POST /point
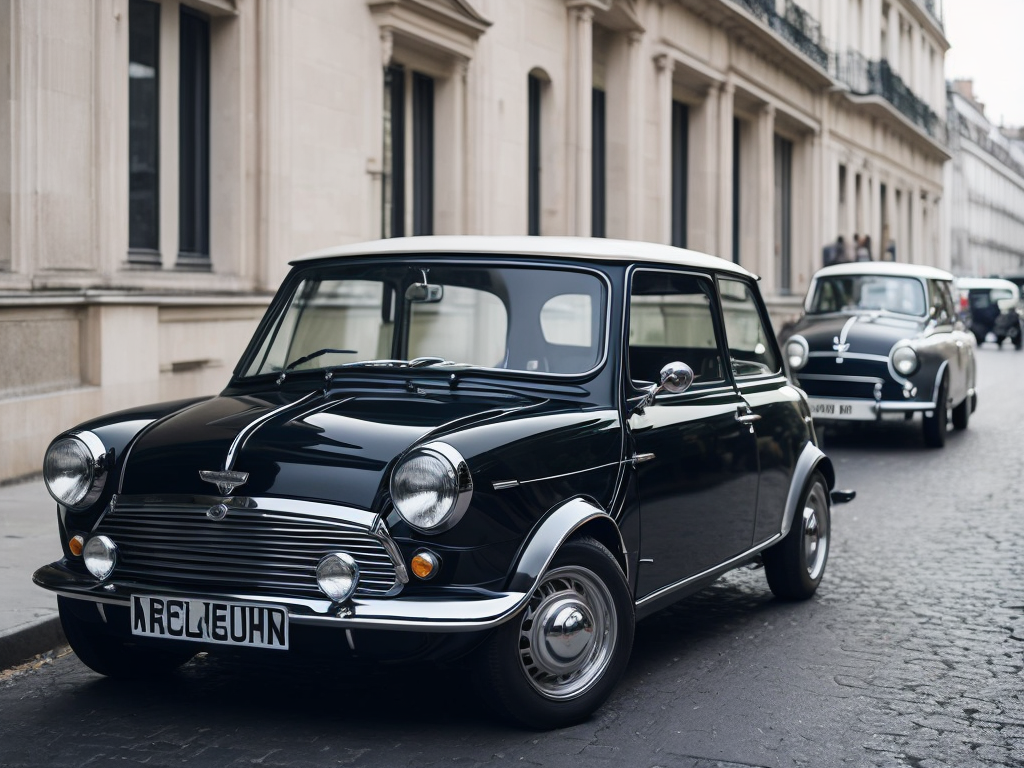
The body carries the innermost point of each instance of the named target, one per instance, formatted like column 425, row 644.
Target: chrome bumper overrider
column 466, row 610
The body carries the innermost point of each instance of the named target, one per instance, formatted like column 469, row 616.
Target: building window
column 598, row 222
column 533, row 156
column 783, row 213
column 422, row 154
column 400, row 85
column 680, row 171
column 144, row 132
column 194, row 141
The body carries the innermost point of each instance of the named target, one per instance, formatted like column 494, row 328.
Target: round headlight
column 904, row 360
column 431, row 488
column 72, row 469
column 338, row 574
column 100, row 556
column 797, row 352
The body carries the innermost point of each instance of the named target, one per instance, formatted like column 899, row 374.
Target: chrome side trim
column 501, row 485
column 722, row 568
column 246, row 432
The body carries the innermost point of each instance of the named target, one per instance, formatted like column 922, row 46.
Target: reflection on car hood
column 867, row 333
column 332, row 448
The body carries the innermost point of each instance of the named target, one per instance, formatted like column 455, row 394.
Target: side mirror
column 675, row 378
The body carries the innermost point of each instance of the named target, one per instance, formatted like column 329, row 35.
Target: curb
column 22, row 644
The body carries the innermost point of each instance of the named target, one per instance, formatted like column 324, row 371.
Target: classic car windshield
column 855, row 293
column 422, row 314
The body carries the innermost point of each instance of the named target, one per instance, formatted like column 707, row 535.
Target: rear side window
column 751, row 351
column 671, row 319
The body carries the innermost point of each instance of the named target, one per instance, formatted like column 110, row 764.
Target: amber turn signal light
column 425, row 564
column 75, row 545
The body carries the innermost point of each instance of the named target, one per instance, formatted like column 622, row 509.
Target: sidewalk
column 28, row 539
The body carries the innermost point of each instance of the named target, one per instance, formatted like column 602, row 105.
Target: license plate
column 854, row 410
column 252, row 625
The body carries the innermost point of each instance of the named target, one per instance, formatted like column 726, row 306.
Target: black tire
column 1018, row 337
column 795, row 565
column 962, row 413
column 530, row 682
column 935, row 425
column 103, row 651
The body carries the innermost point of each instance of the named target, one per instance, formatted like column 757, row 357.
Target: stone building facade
column 985, row 186
column 162, row 160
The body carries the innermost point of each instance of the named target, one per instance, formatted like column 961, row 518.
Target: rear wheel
column 102, row 651
column 560, row 658
column 935, row 425
column 795, row 565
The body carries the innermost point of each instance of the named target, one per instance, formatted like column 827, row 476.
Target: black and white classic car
column 498, row 450
column 884, row 340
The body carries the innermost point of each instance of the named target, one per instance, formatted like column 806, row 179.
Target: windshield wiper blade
column 312, row 355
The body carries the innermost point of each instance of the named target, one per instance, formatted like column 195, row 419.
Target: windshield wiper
column 312, row 355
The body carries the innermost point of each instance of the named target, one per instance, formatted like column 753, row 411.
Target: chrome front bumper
column 466, row 610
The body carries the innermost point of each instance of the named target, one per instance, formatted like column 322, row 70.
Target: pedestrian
column 833, row 253
column 864, row 248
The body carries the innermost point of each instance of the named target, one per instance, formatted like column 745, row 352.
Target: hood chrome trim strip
column 246, row 432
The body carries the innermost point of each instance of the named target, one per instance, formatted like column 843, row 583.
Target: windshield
column 428, row 314
column 855, row 293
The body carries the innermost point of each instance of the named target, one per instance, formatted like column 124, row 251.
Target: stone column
column 703, row 171
column 765, row 258
column 635, row 138
column 893, row 39
column 578, row 120
column 664, row 67
column 849, row 222
column 727, row 92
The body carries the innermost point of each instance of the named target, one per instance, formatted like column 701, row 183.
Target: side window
column 939, row 302
column 751, row 352
column 671, row 319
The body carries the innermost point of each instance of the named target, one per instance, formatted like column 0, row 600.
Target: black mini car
column 883, row 340
column 992, row 306
column 505, row 450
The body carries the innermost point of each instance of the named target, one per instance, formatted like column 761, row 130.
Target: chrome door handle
column 747, row 417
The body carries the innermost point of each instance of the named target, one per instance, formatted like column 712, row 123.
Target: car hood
column 315, row 446
column 868, row 333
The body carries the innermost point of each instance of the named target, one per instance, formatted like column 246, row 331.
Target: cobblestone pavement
column 910, row 654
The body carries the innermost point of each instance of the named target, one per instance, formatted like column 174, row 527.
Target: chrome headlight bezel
column 92, row 470
column 447, row 478
column 100, row 557
column 905, row 360
column 797, row 356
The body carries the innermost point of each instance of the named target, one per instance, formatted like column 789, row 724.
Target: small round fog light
column 100, row 555
column 337, row 574
column 425, row 564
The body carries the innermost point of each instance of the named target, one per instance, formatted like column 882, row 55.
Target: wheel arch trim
column 811, row 459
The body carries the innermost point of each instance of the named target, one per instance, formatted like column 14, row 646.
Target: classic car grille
column 272, row 552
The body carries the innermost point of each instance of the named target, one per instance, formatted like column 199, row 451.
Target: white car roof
column 983, row 283
column 586, row 248
column 892, row 268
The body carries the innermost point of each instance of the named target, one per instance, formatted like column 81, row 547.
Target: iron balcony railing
column 795, row 25
column 877, row 78
column 980, row 137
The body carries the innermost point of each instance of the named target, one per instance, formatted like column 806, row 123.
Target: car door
column 955, row 340
column 774, row 419
column 695, row 457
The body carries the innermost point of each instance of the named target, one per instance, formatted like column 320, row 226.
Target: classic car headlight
column 338, row 575
column 432, row 487
column 74, row 471
column 797, row 352
column 904, row 360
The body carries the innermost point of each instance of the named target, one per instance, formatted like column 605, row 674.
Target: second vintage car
column 502, row 451
column 883, row 340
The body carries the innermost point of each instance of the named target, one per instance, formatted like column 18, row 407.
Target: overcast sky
column 987, row 39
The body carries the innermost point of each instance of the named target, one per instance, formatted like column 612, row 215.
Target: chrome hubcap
column 567, row 633
column 815, row 533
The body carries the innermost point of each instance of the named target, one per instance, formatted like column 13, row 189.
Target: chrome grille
column 274, row 552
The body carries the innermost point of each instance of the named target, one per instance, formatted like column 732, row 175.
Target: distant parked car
column 498, row 450
column 993, row 306
column 883, row 340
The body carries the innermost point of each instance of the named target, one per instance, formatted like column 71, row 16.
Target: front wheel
column 102, row 651
column 560, row 658
column 935, row 425
column 795, row 565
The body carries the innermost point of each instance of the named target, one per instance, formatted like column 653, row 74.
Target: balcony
column 796, row 26
column 877, row 78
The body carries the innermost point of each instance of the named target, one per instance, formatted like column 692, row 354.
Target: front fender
column 558, row 526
